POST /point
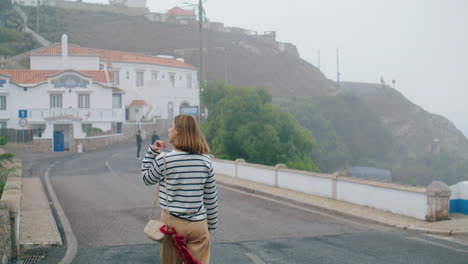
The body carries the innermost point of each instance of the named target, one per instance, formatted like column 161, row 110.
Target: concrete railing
column 10, row 212
column 417, row 202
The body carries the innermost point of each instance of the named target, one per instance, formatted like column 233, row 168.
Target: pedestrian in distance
column 138, row 142
column 154, row 137
column 192, row 200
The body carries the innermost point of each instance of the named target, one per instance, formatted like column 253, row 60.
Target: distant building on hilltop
column 28, row 2
column 129, row 3
column 174, row 15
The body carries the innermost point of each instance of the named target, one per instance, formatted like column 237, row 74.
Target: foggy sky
column 422, row 44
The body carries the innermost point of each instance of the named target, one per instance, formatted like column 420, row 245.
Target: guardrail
column 429, row 203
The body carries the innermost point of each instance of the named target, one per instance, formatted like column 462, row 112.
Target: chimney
column 64, row 51
column 64, row 45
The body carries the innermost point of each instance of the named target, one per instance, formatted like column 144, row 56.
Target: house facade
column 155, row 86
column 71, row 89
column 62, row 104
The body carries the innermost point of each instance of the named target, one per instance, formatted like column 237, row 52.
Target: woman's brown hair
column 189, row 137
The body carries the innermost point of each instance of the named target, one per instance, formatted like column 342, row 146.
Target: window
column 116, row 101
column 3, row 124
column 172, row 79
column 83, row 101
column 139, row 78
column 154, row 75
column 116, row 77
column 55, row 101
column 2, row 102
column 189, row 81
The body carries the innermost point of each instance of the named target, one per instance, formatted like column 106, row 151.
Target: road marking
column 435, row 244
column 342, row 219
column 256, row 259
column 108, row 165
column 451, row 239
column 72, row 243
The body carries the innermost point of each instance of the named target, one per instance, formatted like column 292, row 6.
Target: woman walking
column 191, row 188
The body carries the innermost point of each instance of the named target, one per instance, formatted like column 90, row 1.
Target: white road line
column 342, row 219
column 451, row 239
column 256, row 259
column 72, row 243
column 108, row 165
column 435, row 244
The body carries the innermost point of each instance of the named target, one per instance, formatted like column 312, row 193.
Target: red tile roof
column 119, row 56
column 56, row 50
column 138, row 103
column 109, row 56
column 117, row 90
column 38, row 76
column 177, row 11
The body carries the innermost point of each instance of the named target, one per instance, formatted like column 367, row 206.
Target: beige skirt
column 196, row 235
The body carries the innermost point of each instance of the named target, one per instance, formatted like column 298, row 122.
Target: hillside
column 242, row 60
column 356, row 125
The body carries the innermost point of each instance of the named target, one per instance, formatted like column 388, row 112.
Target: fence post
column 438, row 201
column 238, row 161
column 277, row 168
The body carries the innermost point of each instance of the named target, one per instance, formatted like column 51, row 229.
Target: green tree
column 242, row 123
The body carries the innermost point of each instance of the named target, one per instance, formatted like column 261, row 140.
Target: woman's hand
column 159, row 145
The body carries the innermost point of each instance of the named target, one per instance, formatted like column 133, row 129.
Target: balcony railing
column 86, row 114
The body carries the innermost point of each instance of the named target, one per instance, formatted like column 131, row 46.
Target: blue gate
column 58, row 142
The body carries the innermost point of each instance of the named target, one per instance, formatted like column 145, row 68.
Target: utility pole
column 202, row 70
column 337, row 67
column 318, row 59
column 37, row 16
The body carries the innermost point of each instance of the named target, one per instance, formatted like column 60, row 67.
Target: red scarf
column 180, row 244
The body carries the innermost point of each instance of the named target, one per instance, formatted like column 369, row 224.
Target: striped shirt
column 191, row 185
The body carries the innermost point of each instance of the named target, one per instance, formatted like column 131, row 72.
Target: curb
column 356, row 216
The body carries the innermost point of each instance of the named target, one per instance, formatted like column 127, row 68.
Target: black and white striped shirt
column 191, row 185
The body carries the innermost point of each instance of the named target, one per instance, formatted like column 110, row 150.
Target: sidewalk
column 458, row 225
column 37, row 224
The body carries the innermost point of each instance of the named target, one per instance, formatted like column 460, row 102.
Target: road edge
column 72, row 243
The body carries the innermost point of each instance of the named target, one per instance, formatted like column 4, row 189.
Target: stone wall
column 42, row 145
column 129, row 130
column 98, row 142
column 5, row 233
column 10, row 203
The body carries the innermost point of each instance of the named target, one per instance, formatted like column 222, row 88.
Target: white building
column 28, row 2
column 154, row 86
column 63, row 104
column 130, row 3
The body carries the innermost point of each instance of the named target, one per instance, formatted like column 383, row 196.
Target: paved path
column 107, row 205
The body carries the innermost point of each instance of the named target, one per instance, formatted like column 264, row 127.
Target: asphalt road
column 107, row 205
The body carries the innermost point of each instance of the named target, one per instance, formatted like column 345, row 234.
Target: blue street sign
column 23, row 113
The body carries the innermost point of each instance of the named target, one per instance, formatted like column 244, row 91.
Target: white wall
column 37, row 101
column 79, row 63
column 307, row 183
column 399, row 199
column 408, row 203
column 158, row 93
